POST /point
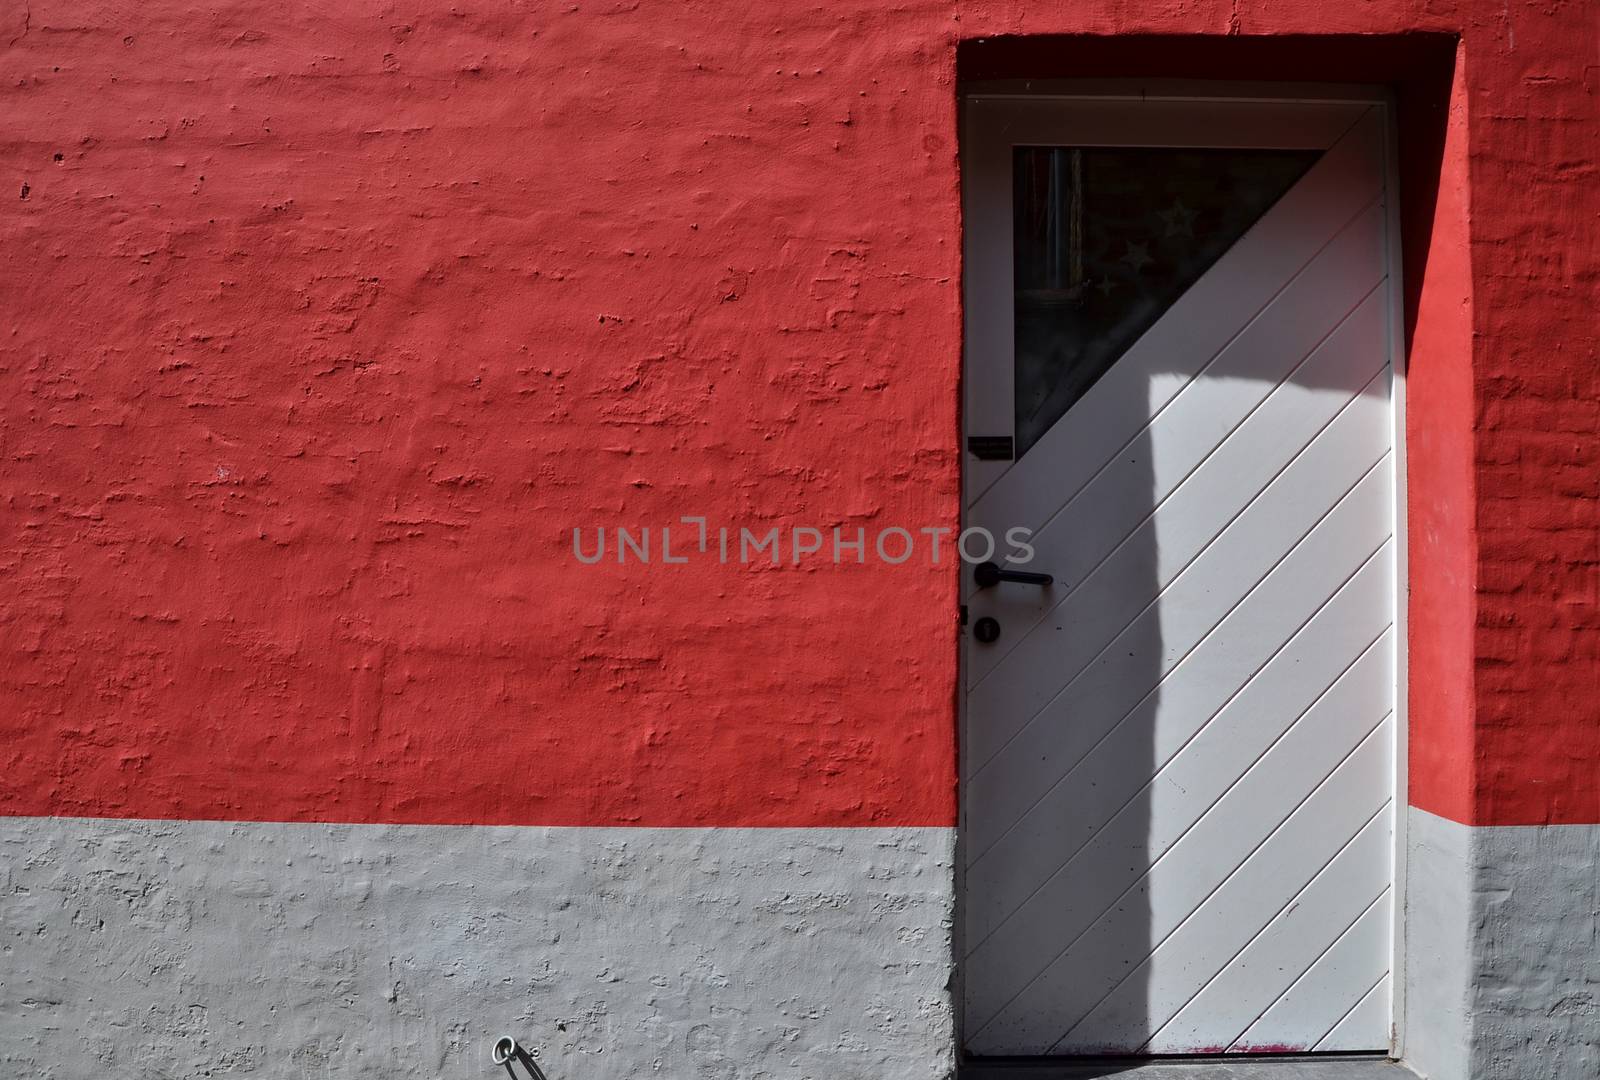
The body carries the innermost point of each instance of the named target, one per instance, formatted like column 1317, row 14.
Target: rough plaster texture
column 1536, row 937
column 1503, row 933
column 325, row 324
column 144, row 949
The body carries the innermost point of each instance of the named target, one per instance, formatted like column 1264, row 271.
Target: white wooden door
column 1178, row 758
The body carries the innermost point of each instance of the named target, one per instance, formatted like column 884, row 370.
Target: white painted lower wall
column 143, row 949
column 1502, row 951
column 140, row 948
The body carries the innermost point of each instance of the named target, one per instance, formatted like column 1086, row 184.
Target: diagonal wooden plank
column 1024, row 772
column 1212, row 975
column 1304, row 446
column 1314, row 673
column 1241, row 645
column 1304, row 1013
column 1290, row 853
column 1368, row 1015
column 1219, row 589
column 1153, row 826
column 1287, row 857
column 1074, row 532
column 1075, row 979
column 1074, row 896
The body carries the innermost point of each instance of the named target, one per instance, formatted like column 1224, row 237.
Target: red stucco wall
column 325, row 324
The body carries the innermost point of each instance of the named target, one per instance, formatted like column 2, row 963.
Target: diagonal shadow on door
column 1176, row 761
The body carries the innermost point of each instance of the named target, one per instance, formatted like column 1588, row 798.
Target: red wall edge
column 1441, row 523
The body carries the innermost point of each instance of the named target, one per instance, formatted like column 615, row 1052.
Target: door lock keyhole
column 986, row 630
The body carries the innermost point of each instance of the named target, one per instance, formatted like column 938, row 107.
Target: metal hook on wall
column 506, row 1050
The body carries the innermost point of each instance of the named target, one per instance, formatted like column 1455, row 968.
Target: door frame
column 1112, row 98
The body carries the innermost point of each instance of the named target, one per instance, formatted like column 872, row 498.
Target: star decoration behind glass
column 1179, row 219
column 1137, row 257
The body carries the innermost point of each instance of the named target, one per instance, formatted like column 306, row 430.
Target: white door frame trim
column 1110, row 107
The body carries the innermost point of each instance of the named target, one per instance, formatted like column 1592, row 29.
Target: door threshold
column 1219, row 1067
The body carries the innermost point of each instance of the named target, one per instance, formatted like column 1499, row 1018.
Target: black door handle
column 988, row 574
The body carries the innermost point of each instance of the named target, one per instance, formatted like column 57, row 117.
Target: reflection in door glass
column 1106, row 240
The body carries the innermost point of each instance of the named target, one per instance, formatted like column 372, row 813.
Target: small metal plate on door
column 990, row 447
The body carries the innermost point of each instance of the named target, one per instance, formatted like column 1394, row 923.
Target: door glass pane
column 1106, row 239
